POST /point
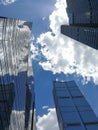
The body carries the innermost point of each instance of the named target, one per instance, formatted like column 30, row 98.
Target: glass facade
column 86, row 35
column 73, row 111
column 83, row 13
column 16, row 76
column 83, row 22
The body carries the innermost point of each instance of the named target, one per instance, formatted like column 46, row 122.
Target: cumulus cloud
column 51, row 118
column 7, row 2
column 63, row 54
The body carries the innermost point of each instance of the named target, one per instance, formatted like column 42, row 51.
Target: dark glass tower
column 73, row 111
column 16, row 76
column 7, row 95
column 83, row 21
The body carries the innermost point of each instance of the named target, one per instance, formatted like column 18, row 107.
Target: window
column 75, row 128
column 65, row 102
column 76, row 93
column 62, row 93
column 88, row 117
column 80, row 102
column 92, row 127
column 62, row 97
column 84, row 108
column 58, row 84
column 73, row 124
column 71, row 84
column 68, row 109
column 70, row 117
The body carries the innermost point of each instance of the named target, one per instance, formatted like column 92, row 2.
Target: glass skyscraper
column 16, row 76
column 83, row 21
column 73, row 110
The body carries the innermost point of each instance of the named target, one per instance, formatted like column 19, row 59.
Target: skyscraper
column 83, row 22
column 16, row 76
column 73, row 110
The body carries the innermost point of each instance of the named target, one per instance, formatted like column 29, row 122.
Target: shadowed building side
column 83, row 12
column 30, row 98
column 27, row 106
column 83, row 22
column 16, row 68
column 7, row 95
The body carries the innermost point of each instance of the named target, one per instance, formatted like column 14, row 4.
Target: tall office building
column 16, row 76
column 73, row 110
column 83, row 22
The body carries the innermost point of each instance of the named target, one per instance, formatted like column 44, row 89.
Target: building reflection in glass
column 16, row 77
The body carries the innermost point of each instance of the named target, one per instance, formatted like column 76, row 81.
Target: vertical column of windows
column 67, row 109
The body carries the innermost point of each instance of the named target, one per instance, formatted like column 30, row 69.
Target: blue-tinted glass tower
column 73, row 110
column 83, row 21
column 16, row 76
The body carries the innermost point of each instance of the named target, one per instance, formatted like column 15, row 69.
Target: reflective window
column 75, row 93
column 88, row 117
column 80, row 101
column 67, row 108
column 92, row 127
column 60, row 84
column 72, row 85
column 84, row 108
column 65, row 102
column 70, row 117
column 75, row 128
column 62, row 93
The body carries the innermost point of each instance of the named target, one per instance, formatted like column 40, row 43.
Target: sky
column 55, row 56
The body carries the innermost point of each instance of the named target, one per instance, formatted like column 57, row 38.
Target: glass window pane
column 65, row 102
column 70, row 117
column 80, row 102
column 67, row 108
column 88, row 116
column 75, row 128
column 62, row 93
column 76, row 93
column 92, row 127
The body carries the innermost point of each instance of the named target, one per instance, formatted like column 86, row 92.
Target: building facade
column 86, row 35
column 16, row 75
column 83, row 22
column 86, row 13
column 73, row 110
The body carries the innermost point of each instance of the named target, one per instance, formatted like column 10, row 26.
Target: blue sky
column 55, row 57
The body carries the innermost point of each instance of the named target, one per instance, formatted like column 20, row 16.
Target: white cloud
column 45, row 107
column 48, row 121
column 64, row 54
column 7, row 2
